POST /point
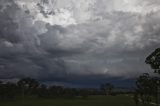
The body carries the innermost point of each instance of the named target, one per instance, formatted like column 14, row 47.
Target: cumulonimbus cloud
column 94, row 40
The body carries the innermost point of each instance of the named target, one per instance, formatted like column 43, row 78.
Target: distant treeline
column 31, row 87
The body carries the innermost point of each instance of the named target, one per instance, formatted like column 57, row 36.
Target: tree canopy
column 154, row 60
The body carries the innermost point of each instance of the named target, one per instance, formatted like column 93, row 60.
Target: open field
column 121, row 100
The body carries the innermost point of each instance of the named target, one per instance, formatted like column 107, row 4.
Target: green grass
column 121, row 100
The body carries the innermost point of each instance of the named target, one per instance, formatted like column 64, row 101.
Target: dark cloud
column 109, row 45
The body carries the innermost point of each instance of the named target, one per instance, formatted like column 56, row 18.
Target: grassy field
column 121, row 100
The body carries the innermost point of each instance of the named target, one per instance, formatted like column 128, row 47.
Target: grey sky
column 58, row 39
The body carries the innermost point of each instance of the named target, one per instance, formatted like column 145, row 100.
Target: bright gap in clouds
column 62, row 12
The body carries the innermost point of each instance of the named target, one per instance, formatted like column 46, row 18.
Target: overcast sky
column 77, row 40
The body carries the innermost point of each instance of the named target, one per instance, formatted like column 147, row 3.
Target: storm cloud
column 64, row 40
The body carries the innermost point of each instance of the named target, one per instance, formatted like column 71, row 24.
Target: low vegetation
column 120, row 100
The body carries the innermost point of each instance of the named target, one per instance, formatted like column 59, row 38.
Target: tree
column 42, row 91
column 155, row 88
column 28, row 85
column 8, row 91
column 107, row 88
column 154, row 60
column 84, row 93
column 146, row 88
column 143, row 88
column 136, row 98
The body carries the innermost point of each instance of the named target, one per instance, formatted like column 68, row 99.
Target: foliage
column 107, row 88
column 154, row 60
column 28, row 87
column 146, row 88
column 8, row 91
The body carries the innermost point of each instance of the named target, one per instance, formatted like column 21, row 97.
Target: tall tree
column 154, row 60
column 28, row 85
column 144, row 88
